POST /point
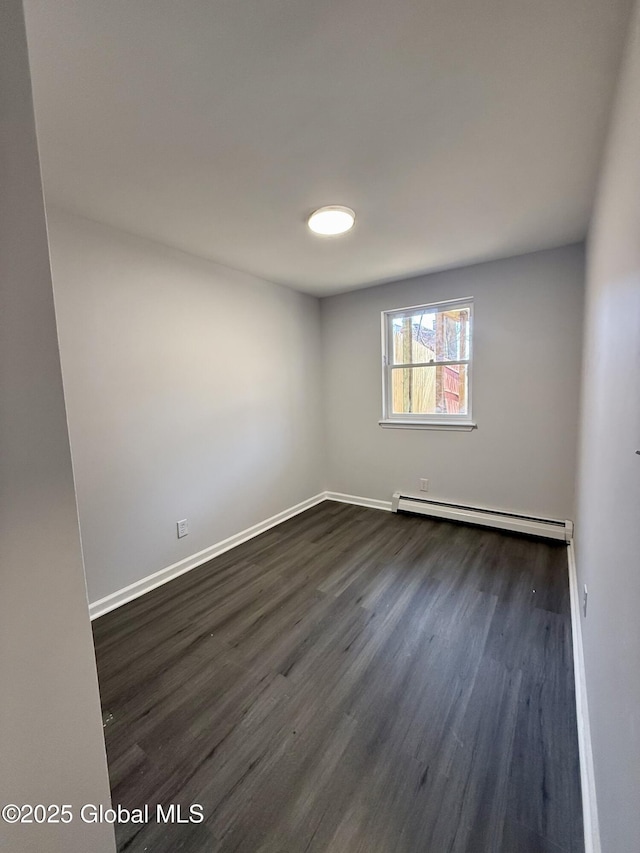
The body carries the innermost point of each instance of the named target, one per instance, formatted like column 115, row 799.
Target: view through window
column 427, row 362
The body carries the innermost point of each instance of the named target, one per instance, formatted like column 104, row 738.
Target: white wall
column 527, row 342
column 51, row 743
column 608, row 530
column 193, row 391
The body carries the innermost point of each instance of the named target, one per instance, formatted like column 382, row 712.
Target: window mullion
column 429, row 363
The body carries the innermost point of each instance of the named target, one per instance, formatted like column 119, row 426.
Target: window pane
column 441, row 389
column 431, row 336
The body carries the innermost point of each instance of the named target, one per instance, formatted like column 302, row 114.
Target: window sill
column 464, row 426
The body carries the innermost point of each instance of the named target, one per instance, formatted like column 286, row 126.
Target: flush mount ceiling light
column 332, row 220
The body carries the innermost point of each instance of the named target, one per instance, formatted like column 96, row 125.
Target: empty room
column 320, row 426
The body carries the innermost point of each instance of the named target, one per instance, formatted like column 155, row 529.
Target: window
column 427, row 366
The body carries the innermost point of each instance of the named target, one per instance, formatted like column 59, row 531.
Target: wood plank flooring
column 351, row 681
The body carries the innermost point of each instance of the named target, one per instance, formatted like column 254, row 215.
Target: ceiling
column 459, row 130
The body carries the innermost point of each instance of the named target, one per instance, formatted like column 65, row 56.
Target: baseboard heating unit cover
column 548, row 528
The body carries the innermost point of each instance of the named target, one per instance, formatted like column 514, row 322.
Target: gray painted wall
column 527, row 342
column 51, row 743
column 608, row 530
column 193, row 391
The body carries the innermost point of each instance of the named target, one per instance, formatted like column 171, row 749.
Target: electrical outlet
column 424, row 485
column 183, row 528
column 585, row 596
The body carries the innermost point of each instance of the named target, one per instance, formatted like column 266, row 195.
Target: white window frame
column 442, row 420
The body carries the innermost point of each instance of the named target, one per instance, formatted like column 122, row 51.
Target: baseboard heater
column 548, row 528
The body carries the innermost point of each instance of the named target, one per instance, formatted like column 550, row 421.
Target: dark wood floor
column 351, row 681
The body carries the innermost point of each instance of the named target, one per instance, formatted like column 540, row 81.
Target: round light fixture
column 331, row 220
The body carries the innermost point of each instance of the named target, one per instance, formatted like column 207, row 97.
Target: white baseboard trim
column 587, row 778
column 135, row 590
column 372, row 503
